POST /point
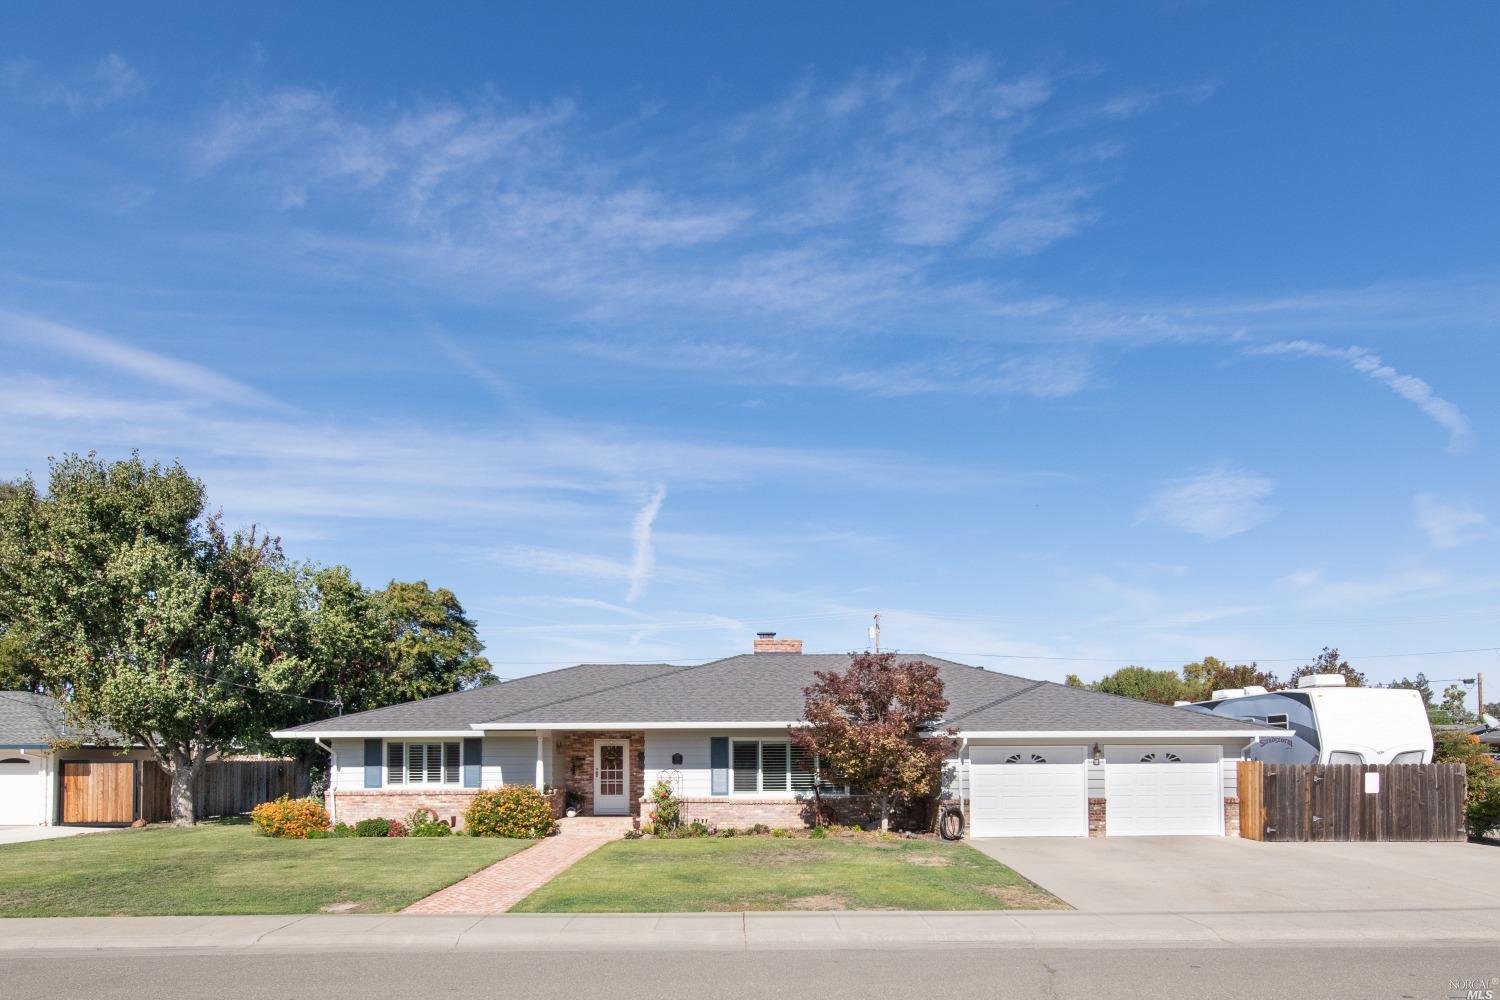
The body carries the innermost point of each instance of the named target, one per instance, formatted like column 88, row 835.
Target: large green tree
column 153, row 620
column 1144, row 684
column 1328, row 662
column 1211, row 674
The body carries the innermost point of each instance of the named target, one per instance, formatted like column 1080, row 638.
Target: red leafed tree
column 872, row 728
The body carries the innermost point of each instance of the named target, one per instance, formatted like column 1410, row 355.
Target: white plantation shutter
column 746, row 766
column 395, row 763
column 450, row 763
column 803, row 771
column 773, row 767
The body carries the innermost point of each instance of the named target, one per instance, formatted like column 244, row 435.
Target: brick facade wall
column 573, row 765
column 354, row 804
column 1097, row 810
column 1231, row 817
column 744, row 811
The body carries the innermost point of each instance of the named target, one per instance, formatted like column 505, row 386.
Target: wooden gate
column 98, row 792
column 1287, row 802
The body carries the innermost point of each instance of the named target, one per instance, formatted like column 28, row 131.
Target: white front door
column 611, row 777
column 22, row 791
column 1028, row 791
column 1162, row 792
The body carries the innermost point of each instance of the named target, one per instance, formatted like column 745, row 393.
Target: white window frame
column 822, row 787
column 405, row 780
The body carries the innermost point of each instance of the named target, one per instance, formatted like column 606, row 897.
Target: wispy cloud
column 1410, row 388
column 1218, row 503
column 1313, row 588
column 106, row 82
column 643, row 555
column 47, row 337
column 1450, row 525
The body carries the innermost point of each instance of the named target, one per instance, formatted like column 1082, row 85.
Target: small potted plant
column 572, row 803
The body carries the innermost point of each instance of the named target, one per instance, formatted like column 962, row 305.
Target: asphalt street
column 1401, row 971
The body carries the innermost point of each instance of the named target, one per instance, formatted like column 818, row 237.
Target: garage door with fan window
column 1163, row 791
column 1028, row 791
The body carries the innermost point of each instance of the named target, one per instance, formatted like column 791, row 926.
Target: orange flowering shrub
column 510, row 811
column 288, row 817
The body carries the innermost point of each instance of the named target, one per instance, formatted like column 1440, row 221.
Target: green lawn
column 226, row 868
column 762, row 873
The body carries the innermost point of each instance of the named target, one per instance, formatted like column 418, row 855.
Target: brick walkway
column 505, row 883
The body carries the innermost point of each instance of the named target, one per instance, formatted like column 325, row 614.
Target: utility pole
column 1479, row 684
column 875, row 632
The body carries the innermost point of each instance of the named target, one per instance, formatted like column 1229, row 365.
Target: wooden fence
column 226, row 787
column 1285, row 802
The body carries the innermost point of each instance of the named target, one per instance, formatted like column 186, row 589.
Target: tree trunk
column 184, row 781
column 885, row 812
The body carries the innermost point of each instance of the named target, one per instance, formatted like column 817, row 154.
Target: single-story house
column 53, row 773
column 1035, row 758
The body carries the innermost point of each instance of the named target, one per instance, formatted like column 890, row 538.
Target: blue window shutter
column 372, row 764
column 473, row 762
column 718, row 762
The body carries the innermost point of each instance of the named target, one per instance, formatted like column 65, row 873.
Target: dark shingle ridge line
column 612, row 687
column 1014, row 694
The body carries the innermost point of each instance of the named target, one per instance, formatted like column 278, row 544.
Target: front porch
column 603, row 770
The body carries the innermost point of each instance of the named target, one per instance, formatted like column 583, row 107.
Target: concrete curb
column 743, row 931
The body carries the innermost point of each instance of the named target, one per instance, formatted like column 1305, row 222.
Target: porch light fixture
column 1098, row 753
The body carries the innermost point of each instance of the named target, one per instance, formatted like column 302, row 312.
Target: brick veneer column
column 1231, row 817
column 579, row 744
column 1097, row 820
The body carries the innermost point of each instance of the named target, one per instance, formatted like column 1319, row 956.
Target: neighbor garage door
column 22, row 801
column 1028, row 792
column 1163, row 792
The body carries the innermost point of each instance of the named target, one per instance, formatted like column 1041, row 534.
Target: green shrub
column 342, row 830
column 818, row 833
column 1483, row 777
column 376, row 827
column 778, row 832
column 510, row 811
column 728, row 831
column 289, row 818
column 317, row 834
column 760, row 828
column 633, row 834
column 697, row 828
column 434, row 829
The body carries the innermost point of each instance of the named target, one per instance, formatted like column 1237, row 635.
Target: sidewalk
column 742, row 931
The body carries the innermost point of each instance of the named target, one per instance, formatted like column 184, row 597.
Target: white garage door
column 1159, row 793
column 1028, row 792
column 21, row 802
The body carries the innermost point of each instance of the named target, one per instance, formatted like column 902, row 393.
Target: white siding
column 695, row 776
column 349, row 763
column 511, row 760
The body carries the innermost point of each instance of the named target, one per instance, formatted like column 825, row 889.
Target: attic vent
column 766, row 642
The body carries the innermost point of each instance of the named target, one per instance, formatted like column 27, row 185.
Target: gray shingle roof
column 762, row 687
column 462, row 709
column 28, row 719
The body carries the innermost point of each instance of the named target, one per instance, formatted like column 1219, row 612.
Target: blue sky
column 1070, row 332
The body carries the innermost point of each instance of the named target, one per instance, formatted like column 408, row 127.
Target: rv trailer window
column 1279, row 721
column 1345, row 757
column 1408, row 757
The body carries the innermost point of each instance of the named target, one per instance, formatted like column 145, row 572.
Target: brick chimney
column 766, row 642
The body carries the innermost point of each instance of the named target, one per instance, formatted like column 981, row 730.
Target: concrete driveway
column 26, row 834
column 1227, row 874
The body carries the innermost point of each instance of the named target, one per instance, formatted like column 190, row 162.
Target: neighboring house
column 1035, row 759
column 52, row 773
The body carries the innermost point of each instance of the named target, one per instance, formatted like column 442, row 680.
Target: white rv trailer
column 1329, row 723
